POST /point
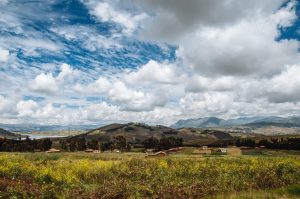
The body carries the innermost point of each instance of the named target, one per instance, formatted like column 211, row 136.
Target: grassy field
column 272, row 174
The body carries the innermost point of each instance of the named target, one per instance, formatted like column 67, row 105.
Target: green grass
column 131, row 175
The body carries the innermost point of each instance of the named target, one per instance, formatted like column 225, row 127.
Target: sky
column 101, row 61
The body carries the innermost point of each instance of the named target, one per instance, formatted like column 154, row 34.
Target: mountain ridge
column 256, row 121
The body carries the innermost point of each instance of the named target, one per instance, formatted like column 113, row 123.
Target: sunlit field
column 131, row 175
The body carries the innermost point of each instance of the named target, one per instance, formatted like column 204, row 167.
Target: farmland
column 186, row 174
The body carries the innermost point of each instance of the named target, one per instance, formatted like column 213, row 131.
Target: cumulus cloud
column 44, row 83
column 155, row 72
column 150, row 86
column 48, row 84
column 248, row 47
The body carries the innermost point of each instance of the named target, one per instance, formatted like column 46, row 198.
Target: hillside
column 138, row 132
column 6, row 134
column 133, row 132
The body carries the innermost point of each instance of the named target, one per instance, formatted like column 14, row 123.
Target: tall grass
column 153, row 178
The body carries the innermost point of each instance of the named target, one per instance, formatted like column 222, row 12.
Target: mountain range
column 206, row 122
column 257, row 122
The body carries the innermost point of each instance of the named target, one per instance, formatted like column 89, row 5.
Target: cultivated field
column 188, row 174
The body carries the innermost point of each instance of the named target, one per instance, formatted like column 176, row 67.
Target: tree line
column 10, row 145
column 163, row 143
column 81, row 143
column 273, row 143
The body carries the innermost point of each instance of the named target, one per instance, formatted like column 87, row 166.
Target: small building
column 219, row 151
column 89, row 150
column 222, row 150
column 117, row 151
column 53, row 151
column 204, row 147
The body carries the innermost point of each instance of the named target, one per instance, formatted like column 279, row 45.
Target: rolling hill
column 138, row 132
column 133, row 132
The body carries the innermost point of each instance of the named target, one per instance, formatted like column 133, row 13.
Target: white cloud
column 4, row 55
column 26, row 108
column 286, row 16
column 285, row 87
column 201, row 84
column 107, row 13
column 44, row 83
column 48, row 84
column 246, row 48
column 154, row 72
column 4, row 104
column 67, row 73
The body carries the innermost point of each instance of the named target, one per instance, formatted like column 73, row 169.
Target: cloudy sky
column 153, row 61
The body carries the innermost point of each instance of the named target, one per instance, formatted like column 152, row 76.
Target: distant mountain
column 200, row 122
column 242, row 121
column 6, row 134
column 45, row 128
column 288, row 122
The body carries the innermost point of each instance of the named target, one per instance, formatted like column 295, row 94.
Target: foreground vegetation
column 130, row 175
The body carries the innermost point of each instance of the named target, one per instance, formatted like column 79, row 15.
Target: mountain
column 288, row 122
column 6, row 134
column 200, row 122
column 138, row 132
column 242, row 121
column 133, row 132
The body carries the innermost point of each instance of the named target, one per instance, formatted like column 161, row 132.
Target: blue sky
column 89, row 62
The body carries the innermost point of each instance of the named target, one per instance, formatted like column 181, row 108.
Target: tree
column 151, row 143
column 120, row 142
column 63, row 145
column 72, row 145
column 81, row 144
column 46, row 144
column 93, row 144
column 107, row 146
